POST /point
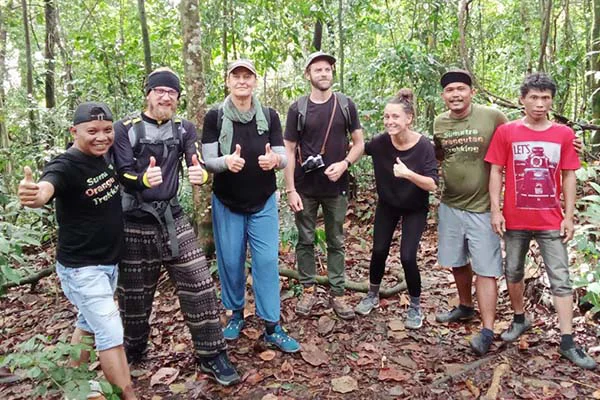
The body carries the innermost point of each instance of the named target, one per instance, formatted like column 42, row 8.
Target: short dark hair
column 538, row 81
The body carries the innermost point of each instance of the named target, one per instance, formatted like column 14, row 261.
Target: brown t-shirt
column 316, row 183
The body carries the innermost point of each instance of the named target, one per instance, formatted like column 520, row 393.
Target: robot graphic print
column 535, row 167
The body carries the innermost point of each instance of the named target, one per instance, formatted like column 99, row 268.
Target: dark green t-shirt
column 464, row 143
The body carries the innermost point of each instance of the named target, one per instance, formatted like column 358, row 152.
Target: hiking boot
column 282, row 340
column 414, row 318
column 515, row 330
column 220, row 368
column 341, row 308
column 578, row 357
column 367, row 304
column 456, row 314
column 481, row 343
column 233, row 328
column 306, row 302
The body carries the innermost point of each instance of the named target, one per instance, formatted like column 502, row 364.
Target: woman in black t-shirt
column 243, row 149
column 405, row 172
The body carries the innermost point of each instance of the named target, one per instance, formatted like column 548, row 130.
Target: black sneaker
column 481, row 343
column 220, row 368
column 456, row 314
column 515, row 330
column 578, row 357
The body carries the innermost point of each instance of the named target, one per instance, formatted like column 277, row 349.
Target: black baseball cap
column 92, row 111
column 319, row 55
column 456, row 75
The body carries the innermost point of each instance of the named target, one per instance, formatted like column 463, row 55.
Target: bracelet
column 348, row 162
column 288, row 191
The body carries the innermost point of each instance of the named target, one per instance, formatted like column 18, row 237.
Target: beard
column 162, row 113
column 322, row 85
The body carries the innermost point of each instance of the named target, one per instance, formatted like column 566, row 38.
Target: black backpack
column 342, row 101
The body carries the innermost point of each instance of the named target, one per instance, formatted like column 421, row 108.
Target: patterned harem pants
column 146, row 250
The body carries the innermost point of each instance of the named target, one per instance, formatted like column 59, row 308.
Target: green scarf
column 231, row 114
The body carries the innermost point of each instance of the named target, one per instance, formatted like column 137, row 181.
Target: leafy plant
column 587, row 240
column 47, row 365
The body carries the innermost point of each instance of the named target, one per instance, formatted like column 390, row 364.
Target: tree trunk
column 50, row 41
column 4, row 139
column 194, row 81
column 340, row 60
column 225, row 45
column 65, row 55
column 546, row 21
column 318, row 35
column 595, row 68
column 29, row 72
column 145, row 37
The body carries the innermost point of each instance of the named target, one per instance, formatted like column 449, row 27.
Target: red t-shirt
column 533, row 162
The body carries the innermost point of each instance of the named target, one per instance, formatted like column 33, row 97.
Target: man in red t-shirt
column 536, row 154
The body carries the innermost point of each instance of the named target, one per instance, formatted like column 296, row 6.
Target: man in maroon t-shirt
column 536, row 155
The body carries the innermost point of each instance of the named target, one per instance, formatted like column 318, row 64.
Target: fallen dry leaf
column 344, row 384
column 313, row 355
column 392, row 374
column 180, row 347
column 267, row 355
column 269, row 396
column 286, row 372
column 251, row 333
column 596, row 394
column 325, row 325
column 253, row 378
column 178, row 388
column 523, row 344
column 164, row 376
column 405, row 362
column 396, row 325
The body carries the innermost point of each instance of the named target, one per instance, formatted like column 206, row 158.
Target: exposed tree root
column 352, row 285
column 32, row 279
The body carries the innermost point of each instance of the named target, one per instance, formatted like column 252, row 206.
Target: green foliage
column 47, row 366
column 16, row 234
column 587, row 239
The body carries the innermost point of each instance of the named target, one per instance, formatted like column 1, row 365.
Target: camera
column 312, row 163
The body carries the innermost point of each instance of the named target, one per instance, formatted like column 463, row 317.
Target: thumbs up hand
column 269, row 160
column 400, row 169
column 28, row 190
column 197, row 174
column 234, row 161
column 153, row 175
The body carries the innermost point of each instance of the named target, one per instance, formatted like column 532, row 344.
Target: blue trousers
column 233, row 232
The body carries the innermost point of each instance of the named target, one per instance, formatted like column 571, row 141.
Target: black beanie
column 162, row 78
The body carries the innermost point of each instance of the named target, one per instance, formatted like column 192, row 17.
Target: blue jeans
column 233, row 232
column 91, row 289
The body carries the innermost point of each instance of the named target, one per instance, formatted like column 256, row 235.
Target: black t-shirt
column 399, row 192
column 316, row 183
column 248, row 190
column 88, row 209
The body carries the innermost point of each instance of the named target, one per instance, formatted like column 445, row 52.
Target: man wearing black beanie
column 148, row 153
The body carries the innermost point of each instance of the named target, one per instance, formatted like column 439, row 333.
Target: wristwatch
column 348, row 162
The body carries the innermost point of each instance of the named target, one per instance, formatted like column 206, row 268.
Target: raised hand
column 197, row 174
column 400, row 169
column 234, row 161
column 269, row 160
column 153, row 173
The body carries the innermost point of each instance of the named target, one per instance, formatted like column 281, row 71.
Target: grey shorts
column 465, row 236
column 554, row 254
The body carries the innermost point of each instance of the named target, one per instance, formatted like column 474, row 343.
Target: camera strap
column 326, row 134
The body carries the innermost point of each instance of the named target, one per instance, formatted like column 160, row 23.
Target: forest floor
column 372, row 357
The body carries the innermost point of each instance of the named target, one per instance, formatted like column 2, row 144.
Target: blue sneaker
column 282, row 340
column 233, row 328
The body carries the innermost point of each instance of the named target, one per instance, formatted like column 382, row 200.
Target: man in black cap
column 316, row 141
column 467, row 243
column 90, row 235
column 148, row 152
